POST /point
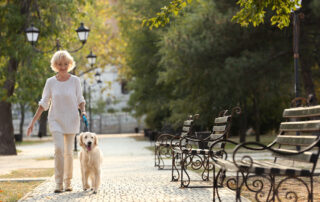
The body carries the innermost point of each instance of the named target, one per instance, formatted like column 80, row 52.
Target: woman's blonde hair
column 57, row 56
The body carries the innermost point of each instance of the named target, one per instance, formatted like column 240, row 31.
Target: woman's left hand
column 85, row 114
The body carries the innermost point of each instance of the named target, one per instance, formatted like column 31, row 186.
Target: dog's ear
column 95, row 139
column 80, row 140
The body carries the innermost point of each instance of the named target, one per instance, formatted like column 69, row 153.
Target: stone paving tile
column 127, row 175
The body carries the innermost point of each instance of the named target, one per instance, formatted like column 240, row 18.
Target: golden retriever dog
column 90, row 161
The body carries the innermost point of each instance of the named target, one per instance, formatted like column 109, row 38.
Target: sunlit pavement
column 127, row 175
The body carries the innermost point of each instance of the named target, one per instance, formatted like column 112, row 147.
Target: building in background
column 114, row 117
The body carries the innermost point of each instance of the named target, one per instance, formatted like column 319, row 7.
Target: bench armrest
column 261, row 147
column 166, row 138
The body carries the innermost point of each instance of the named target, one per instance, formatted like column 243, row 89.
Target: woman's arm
column 82, row 107
column 35, row 118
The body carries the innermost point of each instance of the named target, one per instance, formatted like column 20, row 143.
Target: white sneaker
column 68, row 187
column 58, row 189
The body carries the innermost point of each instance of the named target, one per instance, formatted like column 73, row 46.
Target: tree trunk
column 7, row 144
column 305, row 53
column 43, row 124
column 22, row 111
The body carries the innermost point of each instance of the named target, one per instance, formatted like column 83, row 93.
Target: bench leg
column 214, row 183
column 239, row 186
column 206, row 168
column 216, row 187
column 155, row 156
column 174, row 168
column 184, row 167
column 311, row 189
column 181, row 171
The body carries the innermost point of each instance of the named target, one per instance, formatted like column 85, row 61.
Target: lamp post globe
column 83, row 33
column 97, row 76
column 91, row 58
column 32, row 34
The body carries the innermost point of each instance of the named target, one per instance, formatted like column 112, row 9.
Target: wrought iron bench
column 163, row 144
column 195, row 151
column 295, row 151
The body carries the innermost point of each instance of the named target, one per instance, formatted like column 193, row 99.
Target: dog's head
column 88, row 140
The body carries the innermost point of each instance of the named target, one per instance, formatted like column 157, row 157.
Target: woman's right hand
column 30, row 129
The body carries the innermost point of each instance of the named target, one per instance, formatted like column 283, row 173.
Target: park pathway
column 127, row 175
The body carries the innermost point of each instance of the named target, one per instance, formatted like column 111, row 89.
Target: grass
column 29, row 172
column 13, row 191
column 139, row 138
column 44, row 158
column 30, row 142
column 150, row 148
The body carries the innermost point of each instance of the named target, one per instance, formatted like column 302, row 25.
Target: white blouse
column 63, row 98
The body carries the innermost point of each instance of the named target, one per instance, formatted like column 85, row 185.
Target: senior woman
column 62, row 95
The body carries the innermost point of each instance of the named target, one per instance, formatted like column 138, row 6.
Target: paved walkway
column 128, row 175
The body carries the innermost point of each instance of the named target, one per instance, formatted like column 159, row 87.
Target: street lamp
column 98, row 77
column 32, row 34
column 296, row 32
column 91, row 59
column 83, row 33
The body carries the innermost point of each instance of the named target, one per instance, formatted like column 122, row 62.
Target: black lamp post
column 91, row 60
column 296, row 33
column 32, row 34
column 98, row 80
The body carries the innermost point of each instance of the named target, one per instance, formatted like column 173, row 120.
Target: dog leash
column 86, row 123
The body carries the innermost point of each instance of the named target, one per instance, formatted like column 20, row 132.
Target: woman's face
column 62, row 65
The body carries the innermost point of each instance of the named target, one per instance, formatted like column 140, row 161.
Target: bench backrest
column 187, row 128
column 222, row 126
column 302, row 130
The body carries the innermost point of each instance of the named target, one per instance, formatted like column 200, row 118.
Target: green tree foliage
column 213, row 64
column 251, row 12
column 16, row 53
column 149, row 97
column 203, row 63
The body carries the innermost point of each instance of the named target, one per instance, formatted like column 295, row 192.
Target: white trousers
column 63, row 157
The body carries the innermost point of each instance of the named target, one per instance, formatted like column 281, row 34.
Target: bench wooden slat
column 219, row 128
column 223, row 119
column 300, row 126
column 304, row 157
column 215, row 136
column 187, row 123
column 301, row 133
column 186, row 129
column 302, row 112
column 296, row 140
